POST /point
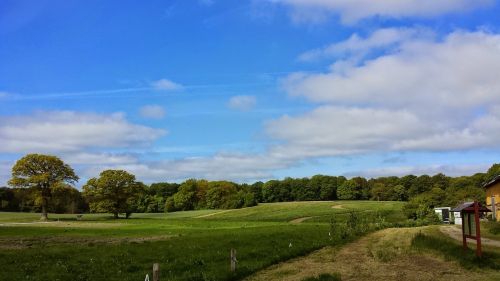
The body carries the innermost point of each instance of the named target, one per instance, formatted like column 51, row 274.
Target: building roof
column 496, row 179
column 469, row 207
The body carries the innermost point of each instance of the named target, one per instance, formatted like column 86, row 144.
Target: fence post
column 233, row 260
column 156, row 272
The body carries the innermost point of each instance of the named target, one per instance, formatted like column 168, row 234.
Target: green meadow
column 190, row 245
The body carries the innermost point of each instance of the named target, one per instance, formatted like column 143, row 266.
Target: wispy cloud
column 152, row 111
column 352, row 11
column 243, row 103
column 4, row 94
column 165, row 85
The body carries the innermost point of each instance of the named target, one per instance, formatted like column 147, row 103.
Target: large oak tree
column 41, row 173
column 114, row 191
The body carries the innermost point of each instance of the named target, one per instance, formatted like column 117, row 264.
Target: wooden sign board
column 469, row 224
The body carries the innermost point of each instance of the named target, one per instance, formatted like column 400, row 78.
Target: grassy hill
column 191, row 245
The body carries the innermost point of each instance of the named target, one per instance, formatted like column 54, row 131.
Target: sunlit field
column 191, row 245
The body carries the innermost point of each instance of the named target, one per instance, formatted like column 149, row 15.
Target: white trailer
column 443, row 214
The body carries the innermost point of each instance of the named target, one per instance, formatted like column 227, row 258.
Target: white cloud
column 166, row 85
column 334, row 131
column 98, row 158
column 66, row 131
column 423, row 95
column 5, row 172
column 243, row 103
column 222, row 166
column 449, row 170
column 351, row 11
column 357, row 46
column 152, row 111
column 458, row 72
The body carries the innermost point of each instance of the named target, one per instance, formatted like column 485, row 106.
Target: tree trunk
column 116, row 215
column 44, row 210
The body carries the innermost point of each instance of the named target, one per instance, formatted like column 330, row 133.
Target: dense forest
column 423, row 193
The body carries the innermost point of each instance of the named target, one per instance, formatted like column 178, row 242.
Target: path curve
column 213, row 214
column 299, row 220
column 381, row 256
column 456, row 233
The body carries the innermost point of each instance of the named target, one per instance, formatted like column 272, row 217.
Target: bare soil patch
column 23, row 243
column 299, row 220
column 456, row 233
column 382, row 256
column 338, row 207
column 67, row 224
column 212, row 214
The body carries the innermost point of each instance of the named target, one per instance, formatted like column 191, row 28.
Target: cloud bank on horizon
column 393, row 81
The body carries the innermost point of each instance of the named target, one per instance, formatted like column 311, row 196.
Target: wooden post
column 233, row 260
column 479, row 253
column 156, row 272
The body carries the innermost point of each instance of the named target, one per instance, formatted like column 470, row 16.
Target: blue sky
column 251, row 90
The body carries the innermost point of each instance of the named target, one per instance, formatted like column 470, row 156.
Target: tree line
column 43, row 183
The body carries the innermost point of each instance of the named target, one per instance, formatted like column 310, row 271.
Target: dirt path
column 456, row 233
column 212, row 214
column 23, row 243
column 299, row 220
column 65, row 224
column 382, row 256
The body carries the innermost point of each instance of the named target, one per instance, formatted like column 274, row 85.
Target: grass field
column 190, row 245
column 393, row 254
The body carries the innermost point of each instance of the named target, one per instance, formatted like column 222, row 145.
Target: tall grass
column 454, row 252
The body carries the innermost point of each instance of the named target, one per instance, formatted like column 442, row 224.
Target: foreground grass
column 387, row 255
column 191, row 245
column 453, row 251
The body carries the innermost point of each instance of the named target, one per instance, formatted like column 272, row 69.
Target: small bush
column 324, row 277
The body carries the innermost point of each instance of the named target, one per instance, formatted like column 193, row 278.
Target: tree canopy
column 41, row 173
column 114, row 191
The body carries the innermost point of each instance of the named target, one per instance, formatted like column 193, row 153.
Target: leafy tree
column 349, row 190
column 185, row 198
column 420, row 185
column 6, row 198
column 379, row 192
column 114, row 191
column 492, row 172
column 328, row 188
column 170, row 205
column 41, row 173
column 400, row 193
column 256, row 189
column 164, row 189
column 219, row 194
column 66, row 199
column 271, row 191
column 440, row 181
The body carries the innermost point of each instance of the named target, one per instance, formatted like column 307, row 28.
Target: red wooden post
column 479, row 253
